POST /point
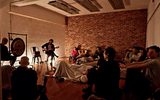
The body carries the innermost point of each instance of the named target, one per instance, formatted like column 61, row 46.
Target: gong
column 17, row 47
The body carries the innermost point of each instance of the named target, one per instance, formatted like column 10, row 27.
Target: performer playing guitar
column 49, row 49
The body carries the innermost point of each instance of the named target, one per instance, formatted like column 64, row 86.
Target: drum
column 17, row 47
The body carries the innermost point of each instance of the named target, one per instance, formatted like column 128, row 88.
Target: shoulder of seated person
column 31, row 69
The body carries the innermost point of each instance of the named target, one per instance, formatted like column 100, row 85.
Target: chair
column 36, row 54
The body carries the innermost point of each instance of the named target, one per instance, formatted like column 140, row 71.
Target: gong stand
column 18, row 42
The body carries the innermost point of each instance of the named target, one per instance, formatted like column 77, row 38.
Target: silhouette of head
column 50, row 40
column 4, row 41
column 24, row 62
column 109, row 53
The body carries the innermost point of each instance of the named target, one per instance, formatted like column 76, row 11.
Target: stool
column 36, row 54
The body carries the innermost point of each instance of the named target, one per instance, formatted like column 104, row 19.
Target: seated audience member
column 79, row 48
column 128, row 54
column 151, row 81
column 135, row 79
column 77, row 53
column 86, row 57
column 105, row 77
column 24, row 82
column 143, row 54
column 81, row 51
column 74, row 54
column 98, row 53
column 89, row 56
column 5, row 55
column 132, row 55
column 6, row 81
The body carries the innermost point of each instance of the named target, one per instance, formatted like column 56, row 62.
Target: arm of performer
column 44, row 47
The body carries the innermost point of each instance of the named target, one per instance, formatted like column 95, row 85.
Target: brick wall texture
column 120, row 30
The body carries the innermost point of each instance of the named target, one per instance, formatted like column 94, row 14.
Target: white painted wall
column 38, row 23
column 153, row 30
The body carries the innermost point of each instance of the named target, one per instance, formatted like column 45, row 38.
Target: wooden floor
column 56, row 90
column 66, row 90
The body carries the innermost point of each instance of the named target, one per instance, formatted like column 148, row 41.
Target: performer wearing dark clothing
column 49, row 49
column 105, row 77
column 5, row 55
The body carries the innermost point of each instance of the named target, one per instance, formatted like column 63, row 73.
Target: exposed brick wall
column 119, row 29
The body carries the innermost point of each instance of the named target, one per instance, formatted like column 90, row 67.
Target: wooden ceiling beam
column 117, row 4
column 88, row 5
column 64, row 6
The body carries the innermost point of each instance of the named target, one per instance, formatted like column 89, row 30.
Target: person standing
column 49, row 49
column 5, row 55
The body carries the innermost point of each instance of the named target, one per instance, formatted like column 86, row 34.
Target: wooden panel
column 127, row 2
column 64, row 6
column 117, row 4
column 88, row 5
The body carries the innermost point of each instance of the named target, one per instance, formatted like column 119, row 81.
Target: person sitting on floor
column 98, row 53
column 105, row 77
column 74, row 54
column 151, row 76
column 24, row 82
column 132, row 55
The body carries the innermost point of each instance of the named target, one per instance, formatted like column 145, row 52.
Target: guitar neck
column 56, row 47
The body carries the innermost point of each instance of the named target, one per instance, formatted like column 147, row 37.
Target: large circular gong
column 17, row 47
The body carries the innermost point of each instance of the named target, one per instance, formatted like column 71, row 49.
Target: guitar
column 45, row 49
